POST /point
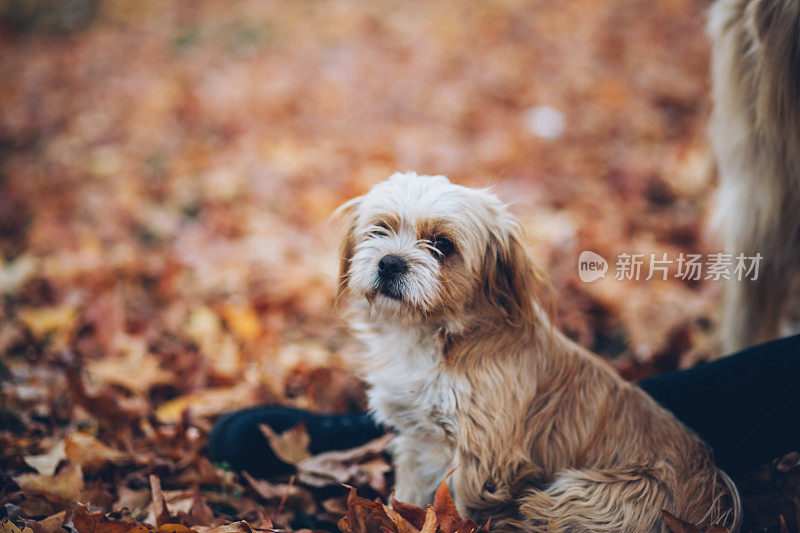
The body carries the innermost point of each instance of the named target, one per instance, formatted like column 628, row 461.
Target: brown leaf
column 200, row 512
column 291, row 446
column 91, row 454
column 113, row 408
column 53, row 523
column 97, row 522
column 162, row 514
column 364, row 516
column 445, row 509
column 136, row 370
column 447, row 514
column 287, row 493
column 412, row 513
column 59, row 489
column 353, row 466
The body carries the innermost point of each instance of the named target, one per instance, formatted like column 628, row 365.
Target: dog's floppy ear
column 346, row 213
column 512, row 281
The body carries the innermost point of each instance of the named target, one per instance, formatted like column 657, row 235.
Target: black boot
column 237, row 442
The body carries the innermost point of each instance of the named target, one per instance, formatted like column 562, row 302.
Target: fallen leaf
column 210, row 402
column 53, row 523
column 137, row 370
column 134, row 500
column 91, row 454
column 48, row 462
column 354, row 466
column 45, row 320
column 403, row 525
column 412, row 513
column 174, row 528
column 431, row 524
column 96, row 522
column 59, row 489
column 290, row 446
column 160, row 509
column 10, row 527
column 242, row 321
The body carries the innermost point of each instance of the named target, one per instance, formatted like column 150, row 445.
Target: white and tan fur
column 755, row 133
column 464, row 364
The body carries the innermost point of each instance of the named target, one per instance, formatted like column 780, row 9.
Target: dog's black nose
column 390, row 265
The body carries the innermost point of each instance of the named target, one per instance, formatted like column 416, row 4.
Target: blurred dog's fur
column 465, row 365
column 755, row 132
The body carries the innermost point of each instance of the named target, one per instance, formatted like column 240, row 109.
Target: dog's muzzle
column 390, row 270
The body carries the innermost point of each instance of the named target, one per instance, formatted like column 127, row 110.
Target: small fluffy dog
column 755, row 132
column 540, row 434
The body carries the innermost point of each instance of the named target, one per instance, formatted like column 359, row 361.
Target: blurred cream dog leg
column 755, row 133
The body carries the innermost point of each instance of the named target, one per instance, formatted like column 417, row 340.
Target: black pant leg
column 745, row 405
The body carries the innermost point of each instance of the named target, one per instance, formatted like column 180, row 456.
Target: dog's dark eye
column 444, row 245
column 382, row 229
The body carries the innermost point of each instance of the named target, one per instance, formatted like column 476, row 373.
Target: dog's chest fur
column 411, row 390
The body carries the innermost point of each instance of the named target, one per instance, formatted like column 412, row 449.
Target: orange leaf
column 445, row 509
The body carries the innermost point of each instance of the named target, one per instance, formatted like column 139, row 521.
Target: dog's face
column 420, row 249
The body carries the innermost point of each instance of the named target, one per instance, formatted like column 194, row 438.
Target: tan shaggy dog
column 462, row 361
column 755, row 131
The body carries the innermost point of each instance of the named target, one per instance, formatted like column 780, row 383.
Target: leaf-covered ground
column 168, row 170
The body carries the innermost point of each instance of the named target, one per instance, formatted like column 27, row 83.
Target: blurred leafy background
column 168, row 172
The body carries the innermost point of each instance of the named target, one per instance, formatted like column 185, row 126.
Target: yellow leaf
column 9, row 527
column 208, row 402
column 45, row 320
column 242, row 321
